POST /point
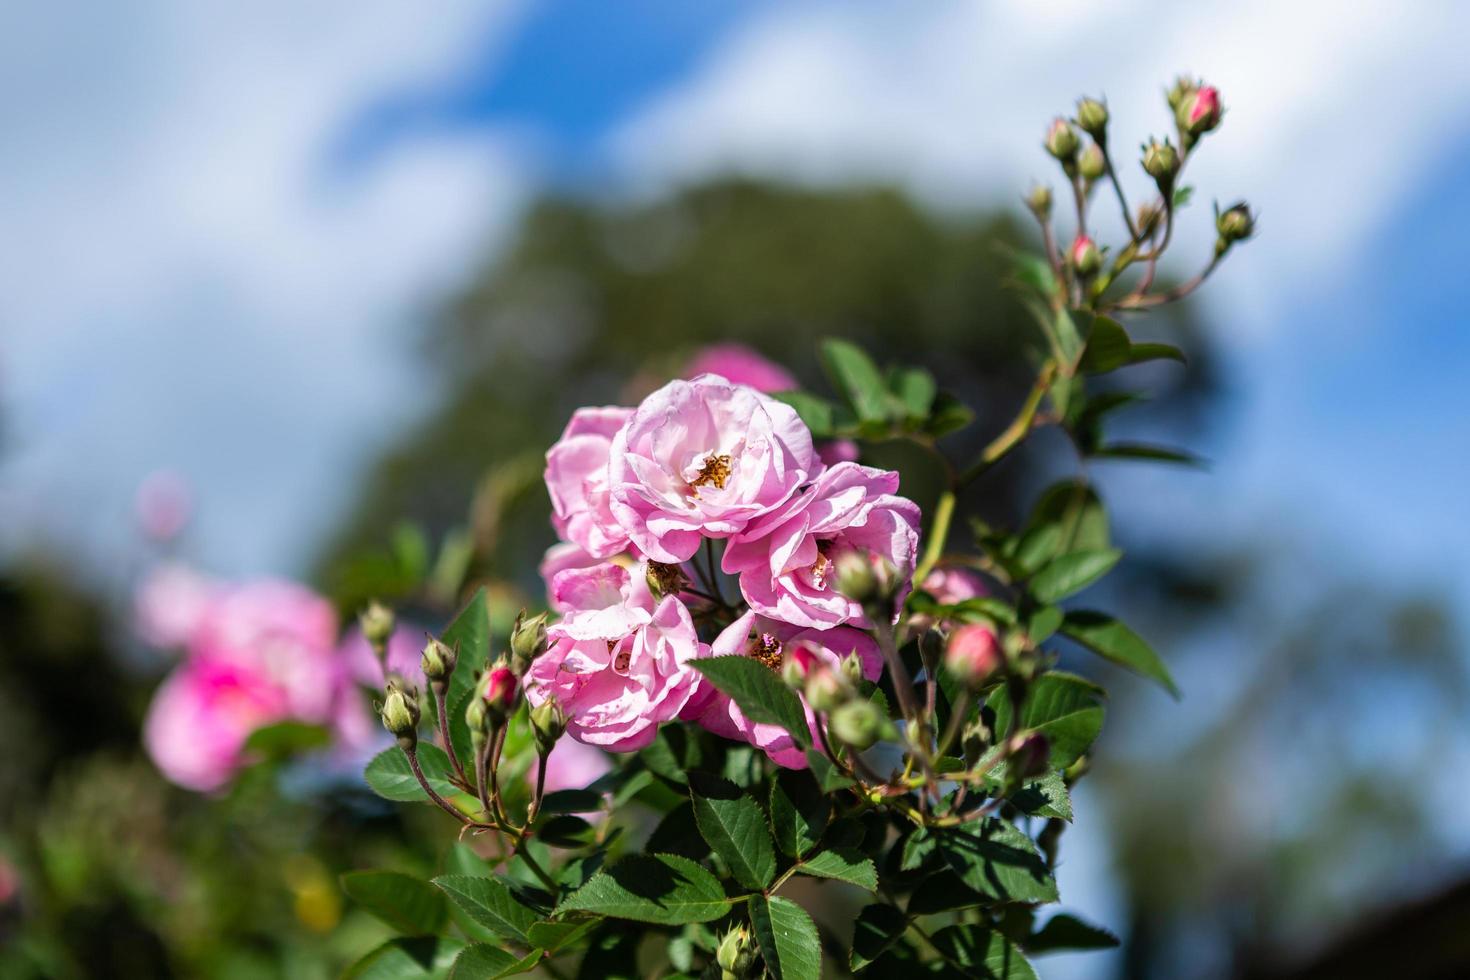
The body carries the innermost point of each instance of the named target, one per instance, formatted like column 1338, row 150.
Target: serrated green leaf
column 983, row 953
column 564, row 830
column 406, row 903
column 799, row 811
column 1065, row 708
column 1067, row 932
column 827, row 775
column 787, row 938
column 407, row 958
column 761, row 695
column 1110, row 639
column 855, row 375
column 552, row 936
column 391, row 777
column 660, row 888
column 996, row 860
column 1043, row 797
column 878, row 927
column 484, row 962
column 490, row 903
column 842, row 864
column 735, row 826
column 469, row 633
column 1073, row 572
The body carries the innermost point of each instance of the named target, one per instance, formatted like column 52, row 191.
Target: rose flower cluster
column 643, row 499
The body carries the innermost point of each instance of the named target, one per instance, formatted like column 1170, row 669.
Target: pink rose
column 573, row 765
column 950, row 586
column 604, row 602
column 740, row 365
column 577, row 479
column 616, row 689
column 164, row 504
column 170, row 604
column 559, row 557
column 200, row 718
column 704, row 458
column 785, row 559
column 1202, row 110
column 751, row 635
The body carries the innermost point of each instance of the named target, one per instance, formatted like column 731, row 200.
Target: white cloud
column 184, row 279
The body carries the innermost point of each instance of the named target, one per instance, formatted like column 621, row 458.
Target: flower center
column 716, row 470
column 766, row 649
column 820, row 568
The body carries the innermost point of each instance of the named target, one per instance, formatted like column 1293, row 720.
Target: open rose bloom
column 644, row 497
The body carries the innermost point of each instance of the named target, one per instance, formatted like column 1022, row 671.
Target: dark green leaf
column 1110, row 639
column 565, row 830
column 948, row 414
column 799, row 811
column 1065, row 708
column 407, row 959
column 761, row 695
column 827, row 775
column 915, row 389
column 1154, row 454
column 1044, row 622
column 878, row 927
column 1066, row 932
column 1074, row 507
column 571, row 801
column 391, row 777
column 484, row 962
column 660, row 888
column 995, row 859
column 787, row 938
column 406, row 903
column 678, row 833
column 817, row 413
column 1073, row 572
column 735, row 826
column 553, row 936
column 612, row 954
column 469, row 633
column 983, row 953
column 490, row 903
column 842, row 864
column 1108, row 347
column 1043, row 797
column 855, row 375
column 1156, row 352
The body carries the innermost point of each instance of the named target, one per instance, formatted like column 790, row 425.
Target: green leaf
column 1074, row 508
column 1063, row 707
column 660, row 888
column 391, row 777
column 1110, row 639
column 612, row 954
column 406, row 903
column 1067, row 330
column 1067, row 932
column 571, row 801
column 827, row 775
column 1066, row 574
column 553, row 936
column 1156, row 352
column 1030, row 269
column 490, row 903
column 469, row 633
column 799, row 811
column 1148, row 453
column 818, row 413
column 983, row 953
column 407, row 959
column 842, row 864
column 1108, row 347
column 1043, row 624
column 761, row 695
column 285, row 739
column 671, row 753
column 915, row 389
column 1043, row 797
column 996, row 860
column 678, row 833
column 564, row 830
column 1182, row 194
column 855, row 375
column 878, row 927
column 947, row 415
column 735, row 826
column 787, row 938
column 480, row 961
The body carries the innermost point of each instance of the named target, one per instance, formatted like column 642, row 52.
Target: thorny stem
column 444, row 738
column 418, row 773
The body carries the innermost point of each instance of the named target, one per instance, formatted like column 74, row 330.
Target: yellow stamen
column 716, row 470
column 765, row 649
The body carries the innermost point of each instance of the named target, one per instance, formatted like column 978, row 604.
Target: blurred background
column 327, row 279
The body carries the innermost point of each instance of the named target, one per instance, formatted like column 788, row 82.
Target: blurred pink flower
column 742, row 366
column 704, row 458
column 559, row 557
column 171, row 602
column 577, row 480
column 405, row 654
column 163, row 505
column 837, row 451
column 953, row 585
column 785, row 559
column 574, row 765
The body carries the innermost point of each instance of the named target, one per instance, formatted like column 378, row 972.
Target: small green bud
column 1084, row 256
column 527, row 641
column 852, row 668
column 401, row 713
column 1182, row 89
column 858, row 723
column 477, row 719
column 438, row 662
column 1039, row 201
column 1161, row 162
column 826, row 691
column 856, row 577
column 1091, row 164
column 1061, row 140
column 735, row 954
column 376, row 623
column 548, row 721
column 1235, row 223
column 1092, row 117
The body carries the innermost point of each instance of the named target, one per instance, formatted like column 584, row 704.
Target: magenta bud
column 1084, row 256
column 973, row 655
column 797, row 665
column 500, row 690
column 1199, row 112
column 1030, row 755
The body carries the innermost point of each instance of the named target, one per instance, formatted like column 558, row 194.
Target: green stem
column 938, row 537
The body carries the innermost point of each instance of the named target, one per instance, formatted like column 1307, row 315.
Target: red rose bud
column 1030, row 755
column 797, row 665
column 1092, row 165
column 1061, row 140
column 973, row 655
column 1199, row 112
column 500, row 690
column 1092, row 116
column 1084, row 256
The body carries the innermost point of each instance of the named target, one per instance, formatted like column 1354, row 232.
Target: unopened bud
column 1235, row 223
column 1061, row 140
column 856, row 578
column 1029, row 755
column 401, row 714
column 735, row 954
column 1199, row 112
column 1084, row 256
column 499, row 692
column 826, row 691
column 1092, row 116
column 857, row 723
column 852, row 668
column 548, row 721
column 1092, row 165
column 1039, row 201
column 797, row 664
column 527, row 641
column 664, row 579
column 1182, row 89
column 1161, row 162
column 477, row 720
column 438, row 661
column 1149, row 216
column 376, row 623
column 973, row 655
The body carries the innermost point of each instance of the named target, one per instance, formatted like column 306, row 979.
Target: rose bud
column 1029, row 755
column 1061, row 140
column 797, row 665
column 857, row 723
column 1084, row 256
column 438, row 662
column 477, row 719
column 1039, row 201
column 1149, row 216
column 527, row 641
column 1161, row 162
column 735, row 954
column 1092, row 165
column 855, row 577
column 376, row 623
column 500, row 691
column 852, row 668
column 1199, row 112
column 548, row 721
column 1235, row 224
column 973, row 655
column 1092, row 116
column 826, row 691
column 1182, row 89
column 401, row 714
